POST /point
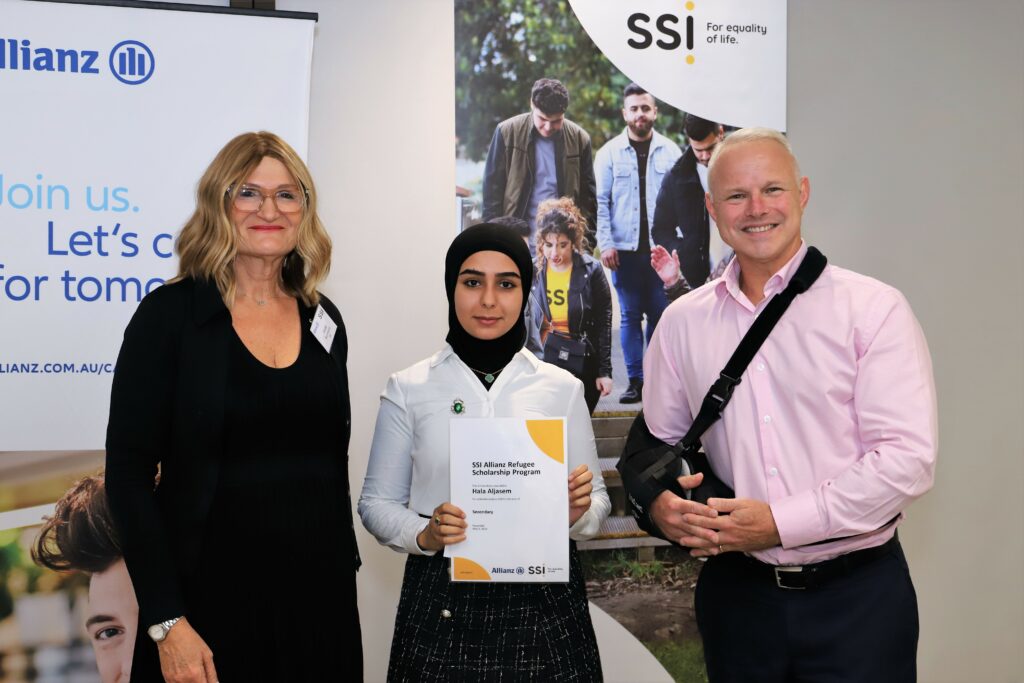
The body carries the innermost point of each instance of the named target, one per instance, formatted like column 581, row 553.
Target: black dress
column 274, row 594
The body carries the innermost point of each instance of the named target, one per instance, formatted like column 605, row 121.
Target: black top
column 276, row 529
column 643, row 151
column 168, row 407
column 264, row 404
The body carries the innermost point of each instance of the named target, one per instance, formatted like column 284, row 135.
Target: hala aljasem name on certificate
column 510, row 477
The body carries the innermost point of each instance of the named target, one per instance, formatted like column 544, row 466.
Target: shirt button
column 760, row 366
column 767, row 419
column 445, row 614
column 773, row 471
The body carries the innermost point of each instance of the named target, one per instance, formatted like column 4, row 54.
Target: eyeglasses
column 287, row 199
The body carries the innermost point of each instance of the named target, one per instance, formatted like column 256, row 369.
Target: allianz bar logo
column 130, row 61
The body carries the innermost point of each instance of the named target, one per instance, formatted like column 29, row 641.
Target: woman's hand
column 185, row 657
column 604, row 385
column 447, row 526
column 579, row 492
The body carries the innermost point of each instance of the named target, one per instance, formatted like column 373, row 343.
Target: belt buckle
column 780, row 572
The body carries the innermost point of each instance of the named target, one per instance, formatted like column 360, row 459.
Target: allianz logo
column 508, row 570
column 130, row 61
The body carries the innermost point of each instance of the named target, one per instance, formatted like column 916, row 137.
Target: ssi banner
column 724, row 60
column 110, row 116
column 587, row 127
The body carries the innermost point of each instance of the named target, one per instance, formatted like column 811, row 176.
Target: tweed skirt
column 491, row 631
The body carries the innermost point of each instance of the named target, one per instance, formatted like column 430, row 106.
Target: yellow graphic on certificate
column 509, row 475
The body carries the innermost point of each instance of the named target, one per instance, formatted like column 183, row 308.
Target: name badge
column 323, row 328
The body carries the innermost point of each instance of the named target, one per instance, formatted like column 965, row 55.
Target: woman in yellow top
column 578, row 304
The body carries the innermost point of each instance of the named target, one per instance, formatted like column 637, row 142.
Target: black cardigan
column 167, row 407
column 590, row 307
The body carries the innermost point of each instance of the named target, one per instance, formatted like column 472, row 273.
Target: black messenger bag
column 649, row 466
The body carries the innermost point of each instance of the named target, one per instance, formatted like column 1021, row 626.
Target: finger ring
column 437, row 520
column 720, row 548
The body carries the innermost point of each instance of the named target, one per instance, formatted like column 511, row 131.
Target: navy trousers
column 858, row 628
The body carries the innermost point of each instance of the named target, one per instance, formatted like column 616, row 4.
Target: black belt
column 809, row 575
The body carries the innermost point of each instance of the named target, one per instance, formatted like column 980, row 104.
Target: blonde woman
column 244, row 557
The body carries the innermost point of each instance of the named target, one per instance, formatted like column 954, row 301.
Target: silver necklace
column 258, row 302
column 489, row 377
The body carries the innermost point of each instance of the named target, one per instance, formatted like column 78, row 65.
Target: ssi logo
column 537, row 569
column 665, row 31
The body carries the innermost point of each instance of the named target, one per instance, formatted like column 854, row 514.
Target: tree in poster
column 503, row 46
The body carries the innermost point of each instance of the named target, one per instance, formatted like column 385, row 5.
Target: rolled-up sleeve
column 384, row 501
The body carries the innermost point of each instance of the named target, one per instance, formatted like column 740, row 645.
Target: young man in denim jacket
column 629, row 170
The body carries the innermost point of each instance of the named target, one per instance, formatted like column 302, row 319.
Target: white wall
column 907, row 117
column 382, row 150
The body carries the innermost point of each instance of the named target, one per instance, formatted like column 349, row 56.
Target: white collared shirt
column 408, row 472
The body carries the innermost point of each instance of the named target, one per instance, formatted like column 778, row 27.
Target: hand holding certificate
column 579, row 492
column 509, row 477
column 447, row 526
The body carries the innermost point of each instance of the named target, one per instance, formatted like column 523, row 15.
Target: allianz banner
column 109, row 116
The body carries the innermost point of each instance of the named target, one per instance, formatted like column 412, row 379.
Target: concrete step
column 608, row 471
column 613, row 483
column 620, row 532
column 610, row 446
column 611, row 426
column 611, row 431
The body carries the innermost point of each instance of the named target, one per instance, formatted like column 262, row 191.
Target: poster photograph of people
column 603, row 172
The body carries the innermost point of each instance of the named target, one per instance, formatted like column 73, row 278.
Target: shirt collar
column 657, row 139
column 535, row 134
column 522, row 355
column 776, row 283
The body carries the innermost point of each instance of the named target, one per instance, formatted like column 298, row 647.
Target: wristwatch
column 159, row 631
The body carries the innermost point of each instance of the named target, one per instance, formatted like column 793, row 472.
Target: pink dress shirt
column 834, row 423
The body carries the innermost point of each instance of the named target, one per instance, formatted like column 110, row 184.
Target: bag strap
column 720, row 393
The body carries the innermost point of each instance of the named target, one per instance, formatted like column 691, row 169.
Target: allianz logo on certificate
column 507, row 570
column 130, row 61
column 534, row 569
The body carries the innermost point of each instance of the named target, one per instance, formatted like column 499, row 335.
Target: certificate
column 510, row 478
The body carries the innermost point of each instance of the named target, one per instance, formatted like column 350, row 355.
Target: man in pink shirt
column 829, row 436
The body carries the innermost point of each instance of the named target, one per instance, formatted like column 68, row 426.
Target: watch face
column 157, row 632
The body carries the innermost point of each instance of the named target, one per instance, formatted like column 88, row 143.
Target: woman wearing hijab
column 479, row 631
